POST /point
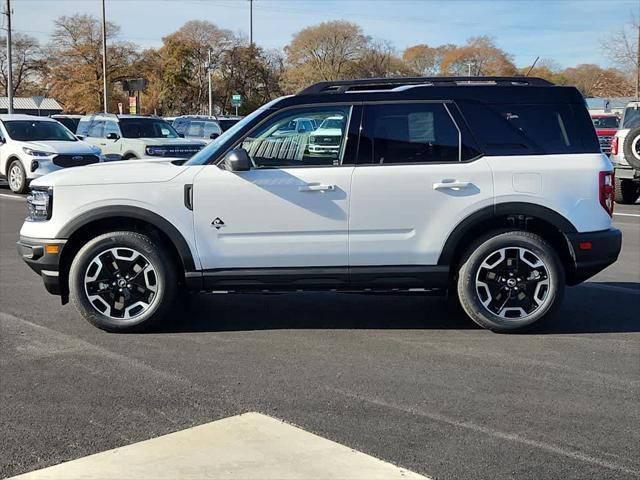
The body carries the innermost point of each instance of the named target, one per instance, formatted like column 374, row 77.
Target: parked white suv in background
column 129, row 137
column 625, row 155
column 493, row 189
column 34, row 146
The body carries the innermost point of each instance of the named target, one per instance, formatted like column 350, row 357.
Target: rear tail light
column 614, row 146
column 606, row 191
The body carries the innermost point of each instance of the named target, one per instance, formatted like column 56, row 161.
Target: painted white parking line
column 12, row 197
column 246, row 446
column 627, row 214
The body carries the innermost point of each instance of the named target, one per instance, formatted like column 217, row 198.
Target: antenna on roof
column 534, row 64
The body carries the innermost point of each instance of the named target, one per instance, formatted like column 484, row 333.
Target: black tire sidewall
column 627, row 148
column 626, row 191
column 25, row 182
column 480, row 251
column 165, row 274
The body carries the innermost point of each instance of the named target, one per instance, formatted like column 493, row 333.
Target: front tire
column 123, row 281
column 626, row 191
column 17, row 177
column 510, row 280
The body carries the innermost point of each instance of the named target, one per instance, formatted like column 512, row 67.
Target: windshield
column 210, row 151
column 146, row 128
column 35, row 130
column 605, row 122
column 631, row 117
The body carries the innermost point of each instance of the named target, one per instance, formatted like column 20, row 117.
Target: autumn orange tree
column 74, row 58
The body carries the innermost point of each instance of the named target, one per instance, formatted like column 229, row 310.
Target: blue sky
column 567, row 31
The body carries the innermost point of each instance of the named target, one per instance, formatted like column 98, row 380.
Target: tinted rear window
column 525, row 129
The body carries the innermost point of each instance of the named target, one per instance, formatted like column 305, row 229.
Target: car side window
column 408, row 133
column 210, row 128
column 83, row 127
column 194, row 130
column 96, row 130
column 111, row 127
column 280, row 143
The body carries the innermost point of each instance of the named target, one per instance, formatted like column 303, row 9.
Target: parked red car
column 606, row 125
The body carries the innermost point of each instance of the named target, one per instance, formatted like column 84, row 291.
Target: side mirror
column 214, row 135
column 181, row 135
column 112, row 136
column 80, row 137
column 237, row 160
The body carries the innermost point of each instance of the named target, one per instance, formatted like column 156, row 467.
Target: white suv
column 494, row 189
column 34, row 146
column 130, row 137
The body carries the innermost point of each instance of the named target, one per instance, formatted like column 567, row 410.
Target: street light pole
column 9, row 61
column 251, row 22
column 104, row 57
column 209, row 79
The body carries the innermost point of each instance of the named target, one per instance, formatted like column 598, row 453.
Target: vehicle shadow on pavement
column 606, row 307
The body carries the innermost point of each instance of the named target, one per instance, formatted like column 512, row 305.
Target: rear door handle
column 454, row 185
column 316, row 187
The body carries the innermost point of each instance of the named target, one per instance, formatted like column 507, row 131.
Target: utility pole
column 638, row 63
column 251, row 22
column 9, row 60
column 469, row 69
column 104, row 57
column 209, row 79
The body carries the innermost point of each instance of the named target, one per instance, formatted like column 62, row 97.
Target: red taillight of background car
column 614, row 146
column 606, row 191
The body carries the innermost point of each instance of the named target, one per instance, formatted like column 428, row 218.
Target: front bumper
column 593, row 252
column 41, row 256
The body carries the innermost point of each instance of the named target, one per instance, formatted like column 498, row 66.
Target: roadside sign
column 132, row 105
column 37, row 100
column 120, row 107
column 236, row 100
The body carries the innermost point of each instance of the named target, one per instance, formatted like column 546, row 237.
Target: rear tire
column 626, row 191
column 17, row 177
column 510, row 280
column 123, row 281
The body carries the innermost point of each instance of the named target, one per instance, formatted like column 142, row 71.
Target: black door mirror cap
column 237, row 160
column 214, row 135
column 112, row 136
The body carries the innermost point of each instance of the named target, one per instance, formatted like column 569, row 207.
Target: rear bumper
column 45, row 263
column 593, row 252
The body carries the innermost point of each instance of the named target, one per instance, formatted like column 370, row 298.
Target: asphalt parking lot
column 402, row 378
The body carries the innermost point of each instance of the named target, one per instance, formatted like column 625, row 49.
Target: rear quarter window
column 530, row 129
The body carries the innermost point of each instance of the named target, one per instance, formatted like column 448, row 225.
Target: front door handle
column 454, row 185
column 316, row 187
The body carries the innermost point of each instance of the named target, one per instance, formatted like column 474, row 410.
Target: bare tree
column 28, row 64
column 622, row 47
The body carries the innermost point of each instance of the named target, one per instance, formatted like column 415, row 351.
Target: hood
column 123, row 172
column 169, row 141
column 327, row 131
column 63, row 147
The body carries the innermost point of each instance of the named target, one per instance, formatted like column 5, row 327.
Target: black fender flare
column 138, row 213
column 486, row 214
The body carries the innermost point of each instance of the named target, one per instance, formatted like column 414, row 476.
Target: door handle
column 455, row 185
column 316, row 187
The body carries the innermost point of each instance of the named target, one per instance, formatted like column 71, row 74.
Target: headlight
column 40, row 204
column 156, row 151
column 37, row 153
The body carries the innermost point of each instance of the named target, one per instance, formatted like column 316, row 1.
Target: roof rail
column 342, row 86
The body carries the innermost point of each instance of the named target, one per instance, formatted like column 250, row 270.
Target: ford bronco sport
column 625, row 156
column 494, row 189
